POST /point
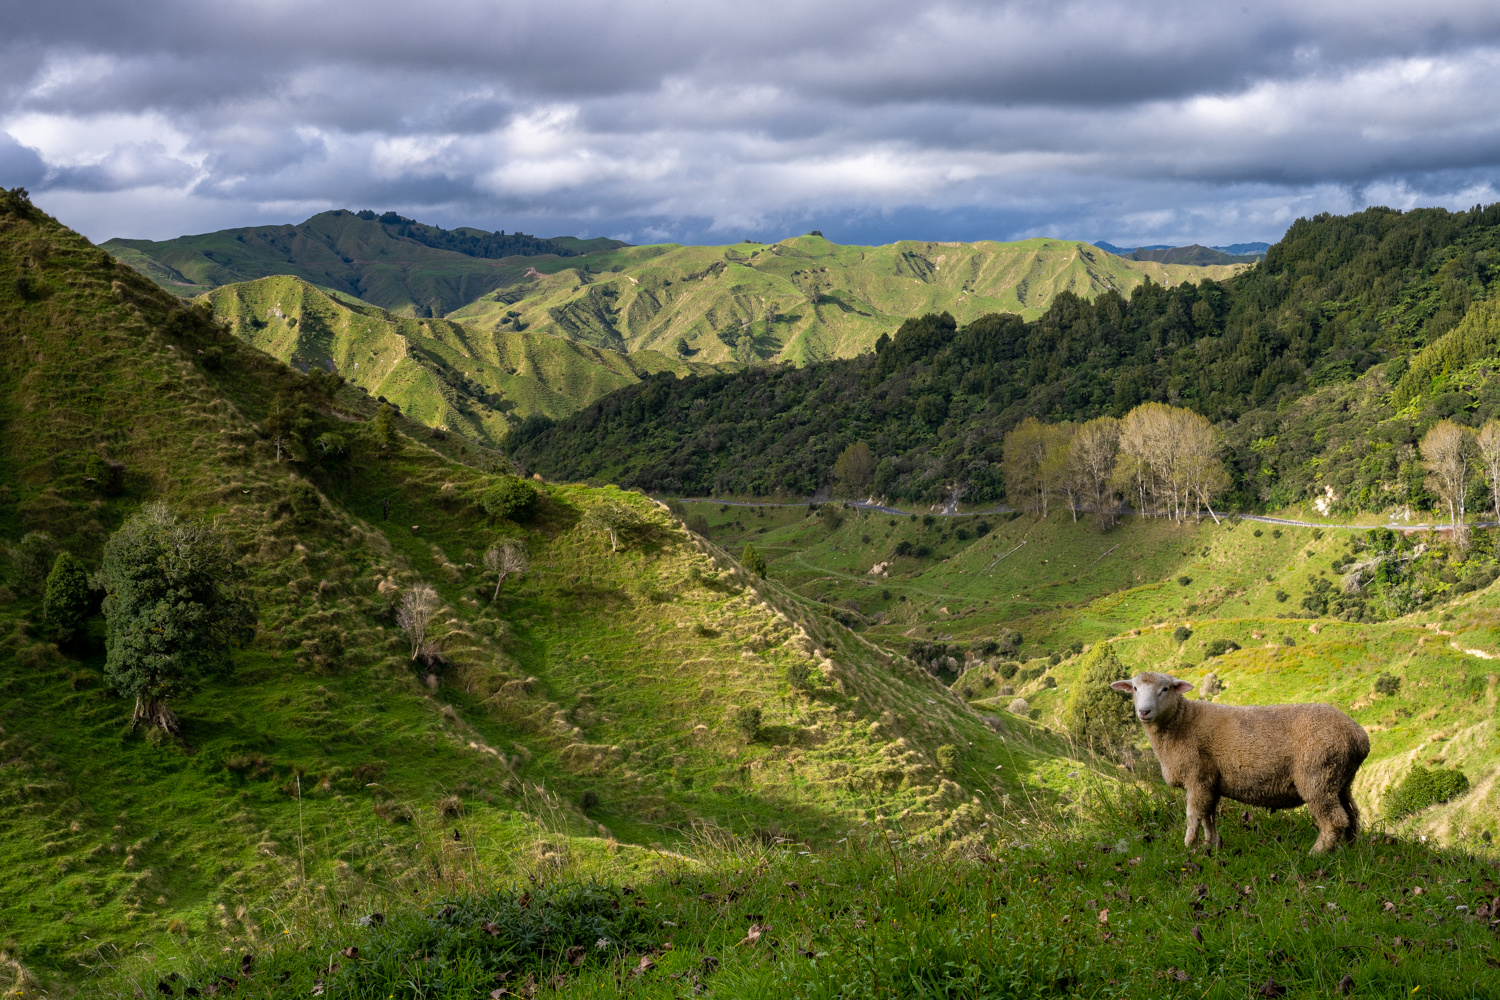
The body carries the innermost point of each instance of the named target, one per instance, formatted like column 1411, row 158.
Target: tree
column 1091, row 467
column 279, row 424
column 1169, row 460
column 512, row 498
column 1035, row 463
column 384, row 426
column 505, row 559
column 1447, row 452
column 855, row 469
column 33, row 559
column 172, row 615
column 1487, row 443
column 414, row 617
column 753, row 560
column 66, row 601
column 611, row 518
column 1097, row 716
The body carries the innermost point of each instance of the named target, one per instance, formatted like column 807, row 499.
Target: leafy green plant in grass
column 799, row 676
column 947, row 758
column 748, row 721
column 1099, row 717
column 65, row 604
column 512, row 498
column 1181, row 633
column 1009, row 669
column 1424, row 787
column 753, row 560
column 1387, row 684
column 1218, row 647
column 172, row 617
column 33, row 559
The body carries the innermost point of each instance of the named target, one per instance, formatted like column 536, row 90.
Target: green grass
column 479, row 383
column 804, row 298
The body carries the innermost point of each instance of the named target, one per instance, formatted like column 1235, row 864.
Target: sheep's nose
column 1144, row 716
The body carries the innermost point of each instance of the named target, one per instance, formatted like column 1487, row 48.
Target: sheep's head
column 1157, row 696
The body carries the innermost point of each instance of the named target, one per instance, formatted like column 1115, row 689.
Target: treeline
column 471, row 242
column 1336, row 298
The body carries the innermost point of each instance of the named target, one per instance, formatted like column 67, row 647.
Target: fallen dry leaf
column 350, row 952
column 574, row 955
column 754, row 933
column 1346, row 985
column 647, row 964
column 1197, row 934
column 1271, row 989
column 1104, row 916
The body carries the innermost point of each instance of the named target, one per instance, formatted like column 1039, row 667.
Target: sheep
column 1276, row 756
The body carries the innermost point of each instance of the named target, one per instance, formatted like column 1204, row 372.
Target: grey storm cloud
column 1157, row 121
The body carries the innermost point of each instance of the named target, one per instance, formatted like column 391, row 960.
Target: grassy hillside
column 1294, row 360
column 802, row 299
column 443, row 374
column 409, row 269
column 587, row 712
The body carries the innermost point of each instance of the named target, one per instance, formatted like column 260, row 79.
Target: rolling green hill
column 389, row 261
column 802, row 299
column 480, row 383
column 1294, row 360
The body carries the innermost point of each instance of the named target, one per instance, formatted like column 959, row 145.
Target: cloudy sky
column 1136, row 122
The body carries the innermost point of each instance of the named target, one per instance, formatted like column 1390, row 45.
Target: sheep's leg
column 1202, row 805
column 1334, row 824
column 1346, row 799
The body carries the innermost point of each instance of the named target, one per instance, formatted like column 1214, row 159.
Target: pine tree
column 1098, row 717
column 66, row 602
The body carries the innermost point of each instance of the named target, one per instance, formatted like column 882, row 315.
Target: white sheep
column 1275, row 756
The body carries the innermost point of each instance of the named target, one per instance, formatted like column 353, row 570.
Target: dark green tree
column 65, row 604
column 1098, row 717
column 512, row 498
column 753, row 560
column 172, row 615
column 383, row 427
column 33, row 558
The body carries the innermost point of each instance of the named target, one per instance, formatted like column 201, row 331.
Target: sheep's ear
column 1125, row 686
column 1182, row 687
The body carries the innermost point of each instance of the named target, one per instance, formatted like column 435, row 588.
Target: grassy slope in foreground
column 804, row 298
column 480, row 382
column 337, row 250
column 616, row 675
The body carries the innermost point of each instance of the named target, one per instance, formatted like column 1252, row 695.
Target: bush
column 799, row 676
column 1425, row 787
column 1281, row 596
column 1258, row 532
column 1008, row 669
column 1055, row 659
column 1182, row 633
column 698, row 525
column 1184, row 580
column 1275, row 532
column 512, row 498
column 67, row 599
column 753, row 560
column 588, row 800
column 1218, row 647
column 1387, row 684
column 947, row 758
column 33, row 560
column 304, row 502
column 104, row 475
column 748, row 721
column 1099, row 717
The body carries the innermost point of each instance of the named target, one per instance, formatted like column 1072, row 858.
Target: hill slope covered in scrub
column 803, row 299
column 480, row 383
column 595, row 696
column 1294, row 360
column 389, row 261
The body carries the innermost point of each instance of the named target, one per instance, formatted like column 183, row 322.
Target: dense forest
column 1293, row 361
column 470, row 242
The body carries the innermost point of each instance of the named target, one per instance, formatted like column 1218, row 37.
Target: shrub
column 1258, row 532
column 1184, row 580
column 748, row 721
column 588, row 800
column 1387, row 684
column 303, row 501
column 753, row 560
column 512, row 498
column 1008, row 669
column 104, row 475
column 1275, row 532
column 1281, row 596
column 1098, row 717
column 1182, row 633
column 1424, row 787
column 947, row 758
column 1055, row 659
column 799, row 676
column 1218, row 647
column 66, row 601
column 698, row 525
column 33, row 560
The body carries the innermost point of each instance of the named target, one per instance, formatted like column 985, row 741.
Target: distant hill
column 479, row 382
column 804, row 298
column 1197, row 255
column 388, row 260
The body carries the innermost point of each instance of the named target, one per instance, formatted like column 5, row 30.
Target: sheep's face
column 1157, row 696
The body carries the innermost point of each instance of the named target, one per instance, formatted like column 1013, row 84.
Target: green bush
column 1387, row 684
column 588, row 800
column 1099, row 717
column 512, row 498
column 799, row 676
column 1281, row 596
column 1218, row 647
column 104, row 476
column 66, row 602
column 947, row 758
column 1182, row 633
column 33, row 560
column 748, row 721
column 1009, row 669
column 1424, row 787
column 1184, row 580
column 753, row 560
